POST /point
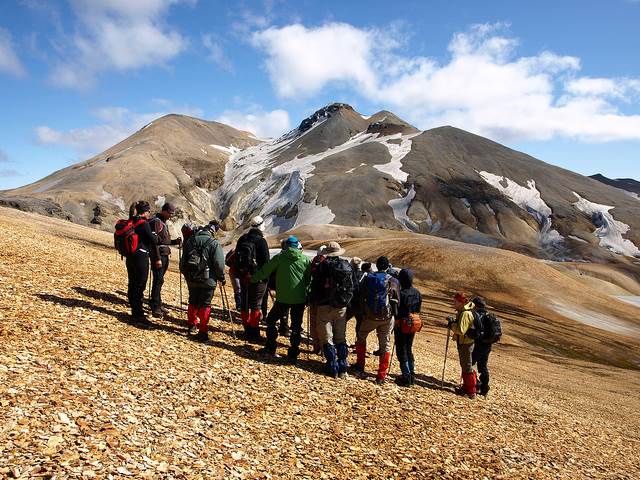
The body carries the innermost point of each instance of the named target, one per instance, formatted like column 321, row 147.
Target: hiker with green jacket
column 202, row 266
column 293, row 273
column 460, row 326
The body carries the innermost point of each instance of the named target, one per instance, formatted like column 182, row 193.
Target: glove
column 450, row 321
column 178, row 241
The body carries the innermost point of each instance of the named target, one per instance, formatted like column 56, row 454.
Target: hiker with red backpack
column 331, row 293
column 293, row 273
column 252, row 253
column 408, row 323
column 159, row 227
column 465, row 329
column 135, row 241
column 379, row 293
column 491, row 333
column 202, row 265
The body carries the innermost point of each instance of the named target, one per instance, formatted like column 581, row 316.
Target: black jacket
column 262, row 247
column 410, row 298
column 159, row 226
column 147, row 240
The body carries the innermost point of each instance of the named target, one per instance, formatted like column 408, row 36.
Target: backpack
column 474, row 332
column 411, row 324
column 230, row 258
column 195, row 264
column 492, row 329
column 245, row 262
column 125, row 238
column 377, row 301
column 340, row 279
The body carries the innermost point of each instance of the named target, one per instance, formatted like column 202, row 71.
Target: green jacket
column 293, row 273
column 212, row 251
column 464, row 320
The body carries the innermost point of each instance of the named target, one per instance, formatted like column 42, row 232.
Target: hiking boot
column 343, row 375
column 193, row 330
column 141, row 321
column 403, row 381
column 380, row 381
column 484, row 391
column 268, row 354
column 292, row 361
column 335, row 375
column 284, row 331
column 202, row 336
column 463, row 393
column 157, row 313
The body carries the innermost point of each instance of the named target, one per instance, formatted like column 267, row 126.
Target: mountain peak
column 322, row 114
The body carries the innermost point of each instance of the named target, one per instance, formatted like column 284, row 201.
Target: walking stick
column 225, row 300
column 180, row 274
column 446, row 350
column 393, row 349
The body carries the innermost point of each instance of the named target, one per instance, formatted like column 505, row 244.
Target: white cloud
column 216, row 52
column 116, row 35
column 262, row 124
column 9, row 61
column 483, row 86
column 119, row 124
column 4, row 158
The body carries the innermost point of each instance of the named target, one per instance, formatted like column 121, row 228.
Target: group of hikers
column 331, row 288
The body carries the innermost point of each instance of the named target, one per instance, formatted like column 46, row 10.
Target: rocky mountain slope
column 173, row 158
column 340, row 167
column 84, row 394
column 627, row 184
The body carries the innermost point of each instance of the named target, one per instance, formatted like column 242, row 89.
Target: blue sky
column 558, row 80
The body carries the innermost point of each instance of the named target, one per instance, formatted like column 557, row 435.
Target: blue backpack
column 377, row 287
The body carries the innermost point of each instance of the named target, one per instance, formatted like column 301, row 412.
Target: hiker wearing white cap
column 331, row 292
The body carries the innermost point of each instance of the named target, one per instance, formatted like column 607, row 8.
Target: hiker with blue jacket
column 293, row 274
column 331, row 293
column 407, row 324
column 379, row 293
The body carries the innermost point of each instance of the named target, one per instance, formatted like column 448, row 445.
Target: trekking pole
column 393, row 349
column 225, row 300
column 180, row 275
column 446, row 350
column 308, row 331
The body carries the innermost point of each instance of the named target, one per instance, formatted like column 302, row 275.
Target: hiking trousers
column 138, row 273
column 465, row 353
column 404, row 347
column 253, row 294
column 201, row 296
column 331, row 325
column 480, row 356
column 237, row 292
column 279, row 310
column 156, row 284
column 383, row 328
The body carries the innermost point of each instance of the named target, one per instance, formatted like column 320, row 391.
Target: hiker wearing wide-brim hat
column 331, row 293
column 159, row 226
column 292, row 269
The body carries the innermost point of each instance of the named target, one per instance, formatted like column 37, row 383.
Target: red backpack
column 125, row 238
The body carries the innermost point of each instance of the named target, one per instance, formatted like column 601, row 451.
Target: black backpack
column 474, row 331
column 246, row 257
column 340, row 279
column 195, row 264
column 491, row 328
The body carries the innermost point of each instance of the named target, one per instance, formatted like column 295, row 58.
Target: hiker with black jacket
column 406, row 321
column 138, row 262
column 481, row 349
column 379, row 293
column 292, row 279
column 331, row 293
column 159, row 227
column 202, row 266
column 251, row 254
column 461, row 327
column 313, row 307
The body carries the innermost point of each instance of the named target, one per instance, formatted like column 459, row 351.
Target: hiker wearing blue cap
column 293, row 273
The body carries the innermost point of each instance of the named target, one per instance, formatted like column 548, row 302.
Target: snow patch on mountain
column 230, row 150
column 160, row 201
column 400, row 207
column 608, row 229
column 528, row 198
column 117, row 201
column 398, row 152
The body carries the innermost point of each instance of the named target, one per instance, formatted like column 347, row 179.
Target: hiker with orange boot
column 379, row 293
column 135, row 241
column 251, row 253
column 464, row 329
column 202, row 266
